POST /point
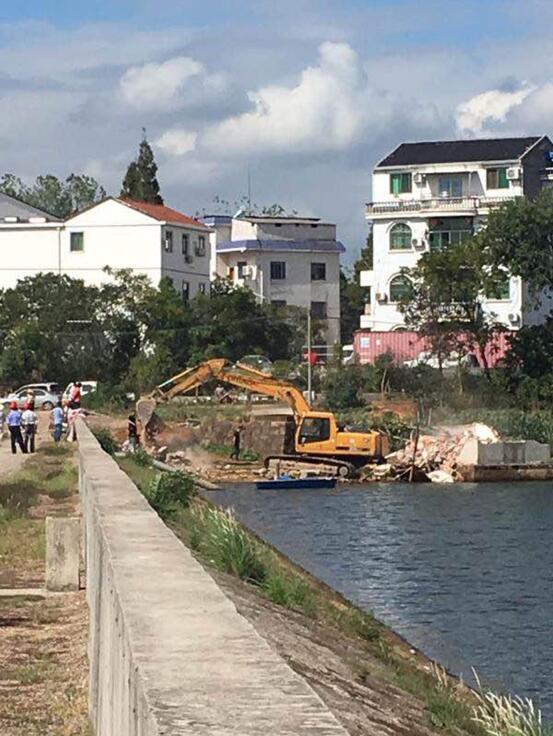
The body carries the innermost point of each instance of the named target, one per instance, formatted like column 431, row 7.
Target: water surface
column 464, row 572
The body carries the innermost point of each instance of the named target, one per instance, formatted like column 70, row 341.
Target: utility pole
column 309, row 363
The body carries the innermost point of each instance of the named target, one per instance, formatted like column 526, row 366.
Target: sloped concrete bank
column 169, row 653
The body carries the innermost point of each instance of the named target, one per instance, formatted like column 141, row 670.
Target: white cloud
column 328, row 109
column 154, row 84
column 493, row 106
column 177, row 141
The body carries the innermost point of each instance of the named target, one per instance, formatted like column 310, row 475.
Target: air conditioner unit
column 514, row 173
column 188, row 259
column 418, row 244
column 383, row 298
column 419, row 179
column 514, row 318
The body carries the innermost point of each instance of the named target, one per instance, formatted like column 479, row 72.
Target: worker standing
column 236, row 437
column 57, row 421
column 14, row 426
column 132, row 432
column 29, row 422
column 75, row 396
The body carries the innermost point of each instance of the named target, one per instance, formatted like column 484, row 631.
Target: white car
column 45, row 396
column 87, row 387
column 449, row 363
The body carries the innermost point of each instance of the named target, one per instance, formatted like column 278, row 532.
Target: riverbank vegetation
column 222, row 543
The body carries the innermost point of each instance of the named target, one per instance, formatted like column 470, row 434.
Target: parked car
column 449, row 364
column 87, row 387
column 46, row 396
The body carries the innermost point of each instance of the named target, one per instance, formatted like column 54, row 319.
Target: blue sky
column 307, row 94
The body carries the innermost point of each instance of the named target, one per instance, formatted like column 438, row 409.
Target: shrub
column 220, row 538
column 169, row 493
column 142, row 458
column 106, row 440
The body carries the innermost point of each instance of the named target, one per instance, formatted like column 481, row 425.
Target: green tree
column 518, row 239
column 444, row 300
column 140, row 182
column 57, row 197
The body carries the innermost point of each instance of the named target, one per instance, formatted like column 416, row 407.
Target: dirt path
column 12, row 463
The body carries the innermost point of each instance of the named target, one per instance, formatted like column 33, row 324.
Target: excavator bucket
column 145, row 409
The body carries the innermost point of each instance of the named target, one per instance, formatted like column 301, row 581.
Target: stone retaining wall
column 169, row 654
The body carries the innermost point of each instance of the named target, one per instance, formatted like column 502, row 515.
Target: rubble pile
column 437, row 456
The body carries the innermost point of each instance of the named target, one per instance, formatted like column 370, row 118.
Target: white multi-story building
column 146, row 238
column 436, row 194
column 289, row 261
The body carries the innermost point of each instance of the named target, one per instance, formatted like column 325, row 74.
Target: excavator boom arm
column 239, row 375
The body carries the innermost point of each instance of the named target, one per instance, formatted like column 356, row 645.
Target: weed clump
column 169, row 493
column 106, row 440
column 220, row 538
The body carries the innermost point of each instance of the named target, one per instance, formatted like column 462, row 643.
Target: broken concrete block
column 62, row 553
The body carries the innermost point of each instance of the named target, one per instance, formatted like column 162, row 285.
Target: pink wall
column 408, row 345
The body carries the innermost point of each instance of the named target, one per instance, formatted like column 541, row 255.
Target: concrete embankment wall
column 169, row 654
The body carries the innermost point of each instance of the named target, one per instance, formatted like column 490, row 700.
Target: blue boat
column 286, row 481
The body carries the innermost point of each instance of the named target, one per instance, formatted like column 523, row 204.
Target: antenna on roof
column 249, row 189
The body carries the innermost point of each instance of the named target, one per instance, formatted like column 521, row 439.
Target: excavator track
column 343, row 468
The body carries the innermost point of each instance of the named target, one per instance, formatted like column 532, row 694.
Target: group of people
column 23, row 424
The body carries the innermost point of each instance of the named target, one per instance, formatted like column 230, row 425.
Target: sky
column 305, row 95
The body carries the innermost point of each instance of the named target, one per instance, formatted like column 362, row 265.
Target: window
column 501, row 290
column 241, row 266
column 447, row 231
column 278, row 303
column 318, row 310
column 76, row 244
column 318, row 272
column 202, row 288
column 185, row 291
column 400, row 287
column 400, row 183
column 400, row 237
column 278, row 270
column 168, row 244
column 497, row 178
column 314, row 429
column 450, row 186
column 200, row 248
column 186, row 248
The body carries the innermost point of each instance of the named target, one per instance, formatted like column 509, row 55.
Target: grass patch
column 22, row 541
column 29, row 674
column 140, row 474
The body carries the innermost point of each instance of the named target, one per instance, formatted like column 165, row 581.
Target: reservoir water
column 464, row 572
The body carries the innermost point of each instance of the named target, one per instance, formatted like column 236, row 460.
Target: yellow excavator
column 318, row 436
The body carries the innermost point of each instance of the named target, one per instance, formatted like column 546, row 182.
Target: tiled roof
column 446, row 152
column 163, row 213
column 329, row 246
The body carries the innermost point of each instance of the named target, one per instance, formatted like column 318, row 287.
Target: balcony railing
column 441, row 204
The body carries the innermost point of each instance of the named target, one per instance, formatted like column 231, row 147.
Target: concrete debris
column 437, row 457
column 440, row 476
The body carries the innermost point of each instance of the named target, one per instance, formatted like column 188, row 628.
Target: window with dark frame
column 278, row 303
column 399, row 288
column 241, row 265
column 400, row 183
column 318, row 272
column 278, row 270
column 497, row 178
column 186, row 247
column 76, row 244
column 200, row 248
column 318, row 310
column 168, row 241
column 186, row 291
column 202, row 288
